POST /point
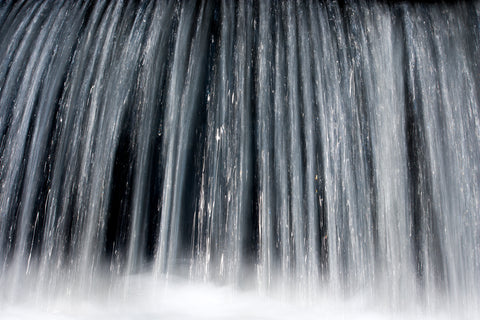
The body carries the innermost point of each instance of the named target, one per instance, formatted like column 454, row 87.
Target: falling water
column 316, row 148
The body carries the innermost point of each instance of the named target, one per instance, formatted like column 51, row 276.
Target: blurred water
column 327, row 150
column 147, row 300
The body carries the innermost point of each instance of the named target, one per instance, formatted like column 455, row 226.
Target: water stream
column 320, row 150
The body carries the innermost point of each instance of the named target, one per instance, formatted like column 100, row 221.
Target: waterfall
column 307, row 146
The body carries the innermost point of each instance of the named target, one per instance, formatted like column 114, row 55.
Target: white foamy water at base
column 147, row 299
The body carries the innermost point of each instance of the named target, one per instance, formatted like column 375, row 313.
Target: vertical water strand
column 10, row 124
column 8, row 10
column 280, row 146
column 202, row 226
column 433, row 107
column 318, row 44
column 474, row 127
column 84, row 202
column 239, row 158
column 152, row 75
column 436, row 109
column 176, row 83
column 23, row 167
column 202, row 218
column 296, row 211
column 328, row 87
column 339, row 235
column 66, row 166
column 16, row 36
column 343, row 153
column 367, row 228
column 359, row 166
column 361, row 204
column 146, row 91
column 393, row 255
column 446, row 106
column 84, row 104
column 183, row 125
column 16, row 126
column 455, row 153
column 223, row 139
column 440, row 78
column 321, row 44
column 469, row 74
column 211, row 213
column 311, row 173
column 419, row 85
column 207, row 200
column 192, row 101
column 266, row 235
column 339, row 179
column 39, row 161
column 201, row 230
column 113, row 105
